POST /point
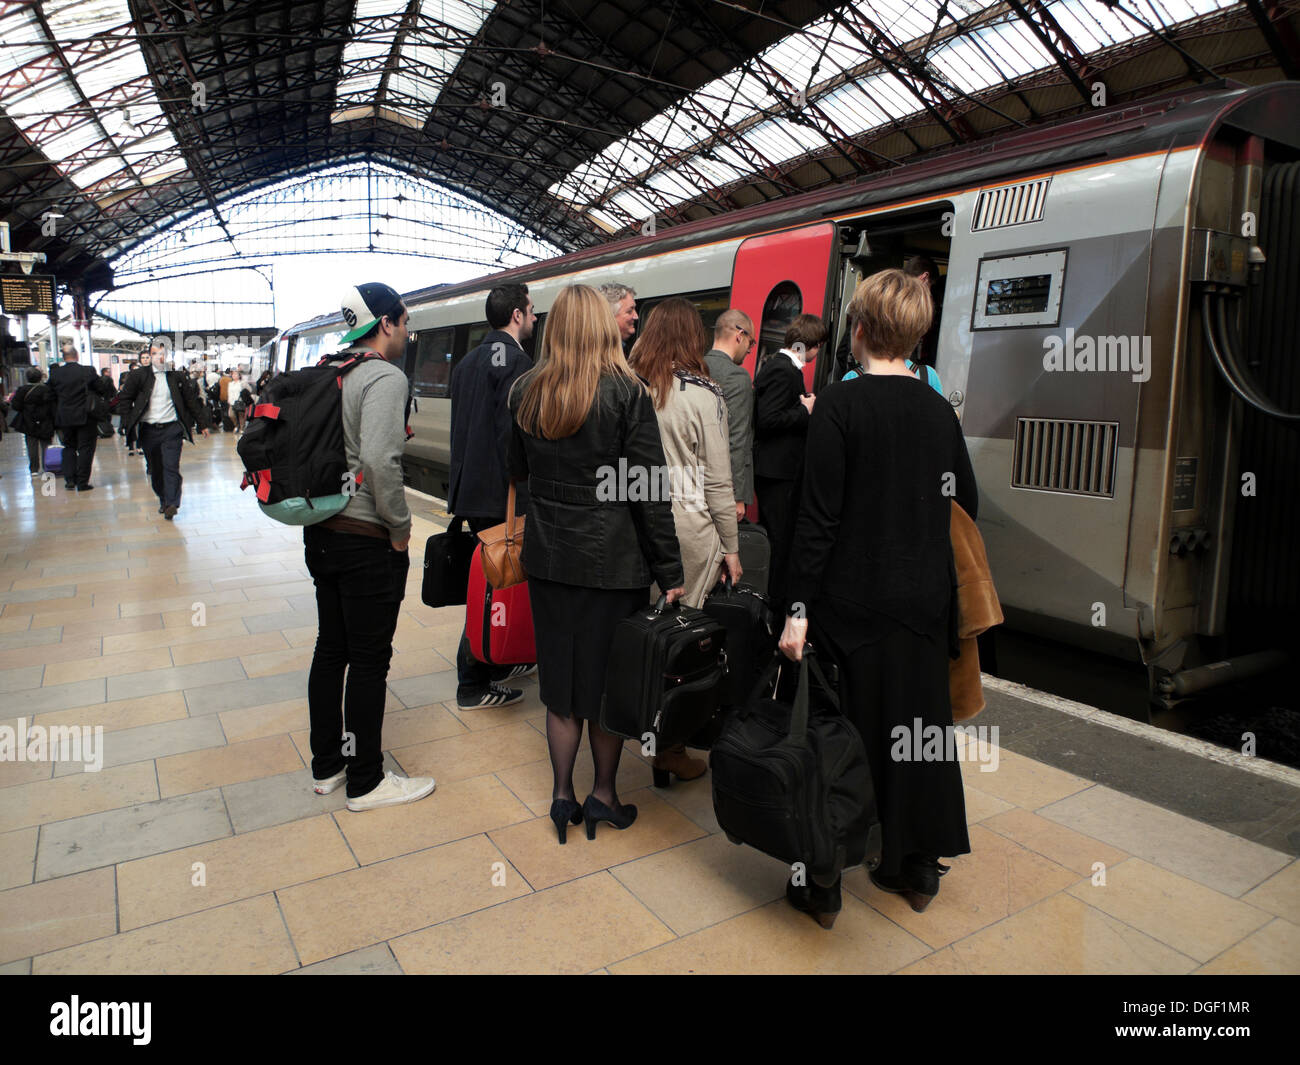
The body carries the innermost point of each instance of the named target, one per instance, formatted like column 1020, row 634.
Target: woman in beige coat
column 692, row 413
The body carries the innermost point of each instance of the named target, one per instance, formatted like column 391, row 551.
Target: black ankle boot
column 823, row 905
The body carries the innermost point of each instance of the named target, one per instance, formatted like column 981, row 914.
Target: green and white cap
column 364, row 305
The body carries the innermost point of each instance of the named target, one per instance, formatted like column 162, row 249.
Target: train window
column 476, row 334
column 710, row 303
column 431, row 372
column 533, row 344
column 1019, row 290
column 782, row 306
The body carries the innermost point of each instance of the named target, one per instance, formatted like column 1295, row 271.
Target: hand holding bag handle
column 503, row 547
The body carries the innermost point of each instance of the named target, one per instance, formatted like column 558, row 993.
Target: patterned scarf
column 704, row 382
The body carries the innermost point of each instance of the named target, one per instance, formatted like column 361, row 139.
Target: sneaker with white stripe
column 496, row 696
column 517, row 673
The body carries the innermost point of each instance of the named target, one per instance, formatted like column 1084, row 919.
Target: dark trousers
column 36, row 454
column 776, row 501
column 162, row 455
column 133, row 436
column 473, row 676
column 78, row 453
column 360, row 582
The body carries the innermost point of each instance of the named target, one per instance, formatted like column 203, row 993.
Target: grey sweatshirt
column 374, row 435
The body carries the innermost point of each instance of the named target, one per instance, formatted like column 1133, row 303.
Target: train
column 1117, row 323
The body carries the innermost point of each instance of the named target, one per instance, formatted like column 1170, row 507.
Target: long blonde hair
column 580, row 345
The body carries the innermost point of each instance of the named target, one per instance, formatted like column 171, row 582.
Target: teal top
column 931, row 376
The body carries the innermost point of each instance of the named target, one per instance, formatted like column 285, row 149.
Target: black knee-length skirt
column 574, row 627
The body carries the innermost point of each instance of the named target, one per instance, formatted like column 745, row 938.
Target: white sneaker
column 393, row 791
column 324, row 787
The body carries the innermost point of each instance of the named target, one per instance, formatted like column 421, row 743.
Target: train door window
column 431, row 371
column 782, row 306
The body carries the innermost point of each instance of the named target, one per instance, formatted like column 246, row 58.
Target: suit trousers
column 79, row 453
column 776, row 504
column 162, row 455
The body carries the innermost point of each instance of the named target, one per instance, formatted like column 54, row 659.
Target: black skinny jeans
column 360, row 583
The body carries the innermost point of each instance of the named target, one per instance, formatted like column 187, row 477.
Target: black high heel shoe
column 823, row 905
column 596, row 811
column 918, row 882
column 565, row 812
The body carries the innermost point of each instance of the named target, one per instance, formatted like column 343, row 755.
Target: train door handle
column 956, row 397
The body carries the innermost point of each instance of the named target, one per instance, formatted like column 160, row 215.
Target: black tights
column 563, row 737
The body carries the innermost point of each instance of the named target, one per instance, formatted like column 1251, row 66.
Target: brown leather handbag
column 503, row 547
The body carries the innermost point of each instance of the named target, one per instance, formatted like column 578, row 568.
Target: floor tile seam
column 458, row 839
column 1159, row 863
column 1150, row 934
column 663, row 920
column 1021, row 843
column 1234, row 946
column 1175, row 741
column 139, row 857
column 530, row 893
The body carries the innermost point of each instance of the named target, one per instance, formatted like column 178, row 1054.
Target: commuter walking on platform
column 241, row 398
column 34, row 403
column 781, row 413
column 733, row 337
column 359, row 560
column 692, row 416
column 164, row 405
column 131, row 432
column 81, row 400
column 479, row 481
column 872, row 580
column 580, row 414
column 622, row 301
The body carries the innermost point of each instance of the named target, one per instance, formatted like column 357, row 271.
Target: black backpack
column 292, row 448
column 795, row 784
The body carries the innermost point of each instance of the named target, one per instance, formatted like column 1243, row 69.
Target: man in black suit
column 781, row 412
column 164, row 413
column 80, row 401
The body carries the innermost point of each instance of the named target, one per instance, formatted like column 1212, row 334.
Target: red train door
column 779, row 275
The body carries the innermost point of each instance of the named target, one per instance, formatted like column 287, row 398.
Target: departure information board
column 27, row 294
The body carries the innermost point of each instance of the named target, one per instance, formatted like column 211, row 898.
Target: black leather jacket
column 573, row 535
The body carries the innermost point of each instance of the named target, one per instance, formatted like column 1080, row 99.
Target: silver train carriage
column 1118, row 314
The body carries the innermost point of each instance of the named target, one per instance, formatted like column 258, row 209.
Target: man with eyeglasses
column 733, row 337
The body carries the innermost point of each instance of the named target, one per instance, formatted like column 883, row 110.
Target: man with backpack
column 358, row 557
column 162, row 405
column 80, row 401
column 480, row 427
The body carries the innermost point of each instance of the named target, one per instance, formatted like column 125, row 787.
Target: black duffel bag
column 446, row 565
column 747, row 615
column 664, row 674
column 795, row 784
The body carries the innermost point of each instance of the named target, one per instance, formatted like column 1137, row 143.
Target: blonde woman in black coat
column 871, row 579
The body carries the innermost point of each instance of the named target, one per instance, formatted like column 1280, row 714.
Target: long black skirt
column 574, row 628
column 893, row 680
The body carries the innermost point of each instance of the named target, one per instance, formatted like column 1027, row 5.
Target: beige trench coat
column 693, row 428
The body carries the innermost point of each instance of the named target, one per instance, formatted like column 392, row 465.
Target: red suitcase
column 498, row 622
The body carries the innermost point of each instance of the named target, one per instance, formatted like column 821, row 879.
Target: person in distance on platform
column 590, row 561
column 921, row 364
column 733, row 337
column 622, row 301
column 131, row 432
column 81, row 399
column 872, row 579
column 359, row 560
column 479, row 477
column 35, row 404
column 692, row 416
column 241, row 399
column 781, row 413
column 163, row 405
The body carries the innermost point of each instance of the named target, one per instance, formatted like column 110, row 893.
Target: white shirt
column 794, row 358
column 161, row 408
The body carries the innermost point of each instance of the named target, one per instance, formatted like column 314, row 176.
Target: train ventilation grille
column 1010, row 205
column 1063, row 456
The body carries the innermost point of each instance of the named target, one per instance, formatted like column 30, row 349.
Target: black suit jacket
column 138, row 387
column 780, row 420
column 72, row 384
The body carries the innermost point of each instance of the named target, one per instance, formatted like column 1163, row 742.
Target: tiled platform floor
column 200, row 848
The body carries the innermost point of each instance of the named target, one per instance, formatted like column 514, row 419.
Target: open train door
column 778, row 276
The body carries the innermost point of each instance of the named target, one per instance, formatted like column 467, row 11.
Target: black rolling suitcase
column 666, row 666
column 752, row 634
column 446, row 565
column 794, row 783
column 755, row 555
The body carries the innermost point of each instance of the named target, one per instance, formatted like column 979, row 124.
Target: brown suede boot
column 676, row 760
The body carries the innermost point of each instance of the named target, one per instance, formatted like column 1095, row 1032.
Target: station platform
column 1098, row 845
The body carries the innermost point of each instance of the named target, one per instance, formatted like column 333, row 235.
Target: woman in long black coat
column 871, row 579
